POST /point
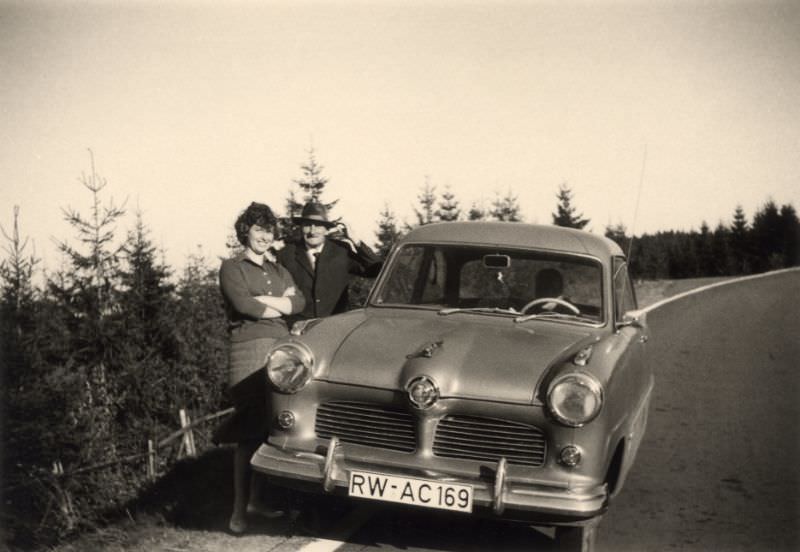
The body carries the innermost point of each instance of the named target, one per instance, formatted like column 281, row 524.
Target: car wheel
column 577, row 538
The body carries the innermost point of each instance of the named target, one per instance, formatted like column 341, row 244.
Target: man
column 323, row 267
column 549, row 284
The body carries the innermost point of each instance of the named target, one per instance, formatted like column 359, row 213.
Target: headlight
column 290, row 367
column 575, row 398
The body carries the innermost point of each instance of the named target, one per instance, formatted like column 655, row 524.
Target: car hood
column 467, row 355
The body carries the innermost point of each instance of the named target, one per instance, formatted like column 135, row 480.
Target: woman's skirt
column 248, row 391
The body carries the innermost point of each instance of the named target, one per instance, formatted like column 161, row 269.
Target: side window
column 417, row 277
column 400, row 286
column 624, row 296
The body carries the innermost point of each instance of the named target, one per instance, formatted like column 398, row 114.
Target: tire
column 577, row 538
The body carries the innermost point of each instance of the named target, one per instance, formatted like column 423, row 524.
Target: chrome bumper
column 333, row 470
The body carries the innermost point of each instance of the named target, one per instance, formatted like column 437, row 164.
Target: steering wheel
column 542, row 300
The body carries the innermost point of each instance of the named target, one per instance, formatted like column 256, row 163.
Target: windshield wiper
column 489, row 310
column 526, row 317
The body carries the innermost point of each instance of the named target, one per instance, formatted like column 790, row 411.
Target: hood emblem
column 422, row 392
column 426, row 351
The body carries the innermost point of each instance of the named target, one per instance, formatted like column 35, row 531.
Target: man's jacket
column 325, row 288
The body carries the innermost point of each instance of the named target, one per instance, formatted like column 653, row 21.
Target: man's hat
column 314, row 213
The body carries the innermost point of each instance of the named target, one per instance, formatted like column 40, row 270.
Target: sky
column 193, row 109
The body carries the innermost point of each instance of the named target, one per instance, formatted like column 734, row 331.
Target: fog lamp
column 286, row 419
column 570, row 456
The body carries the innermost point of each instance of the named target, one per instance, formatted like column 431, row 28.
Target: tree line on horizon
column 736, row 248
column 102, row 355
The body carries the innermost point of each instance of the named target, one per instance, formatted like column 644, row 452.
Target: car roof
column 516, row 234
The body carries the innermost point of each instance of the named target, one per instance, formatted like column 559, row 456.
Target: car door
column 633, row 369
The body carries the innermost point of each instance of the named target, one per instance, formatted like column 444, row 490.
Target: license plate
column 410, row 490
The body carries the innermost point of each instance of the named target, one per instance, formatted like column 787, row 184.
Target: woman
column 258, row 293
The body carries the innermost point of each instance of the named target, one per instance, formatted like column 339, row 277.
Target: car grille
column 366, row 424
column 489, row 439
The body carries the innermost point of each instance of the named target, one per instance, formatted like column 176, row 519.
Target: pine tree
column 202, row 338
column 448, row 206
column 682, row 257
column 387, row 232
column 767, row 237
column 145, row 292
column 146, row 346
column 94, row 269
column 618, row 233
column 293, row 207
column 40, row 421
column 739, row 225
column 87, row 298
column 505, row 208
column 427, row 201
column 25, row 402
column 16, row 276
column 476, row 212
column 740, row 243
column 65, row 406
column 705, row 256
column 311, row 185
column 650, row 257
column 721, row 251
column 565, row 214
column 790, row 235
column 17, row 304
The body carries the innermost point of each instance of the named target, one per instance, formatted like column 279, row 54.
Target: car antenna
column 636, row 209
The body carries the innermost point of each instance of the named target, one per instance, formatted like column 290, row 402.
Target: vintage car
column 497, row 368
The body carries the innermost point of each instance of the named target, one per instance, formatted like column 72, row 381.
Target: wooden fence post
column 64, row 498
column 151, row 460
column 188, row 436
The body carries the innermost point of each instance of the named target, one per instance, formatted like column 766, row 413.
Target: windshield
column 452, row 278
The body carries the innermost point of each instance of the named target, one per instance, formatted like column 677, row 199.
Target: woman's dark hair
column 255, row 214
